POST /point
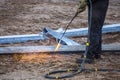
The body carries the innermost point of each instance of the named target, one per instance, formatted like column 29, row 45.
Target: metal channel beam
column 48, row 49
column 84, row 31
column 64, row 40
column 69, row 33
column 20, row 38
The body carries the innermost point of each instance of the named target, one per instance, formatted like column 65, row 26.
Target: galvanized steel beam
column 50, row 49
column 84, row 31
column 20, row 38
column 69, row 33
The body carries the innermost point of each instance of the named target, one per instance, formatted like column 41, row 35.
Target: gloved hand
column 82, row 6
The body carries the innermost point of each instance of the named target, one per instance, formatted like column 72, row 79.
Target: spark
column 57, row 47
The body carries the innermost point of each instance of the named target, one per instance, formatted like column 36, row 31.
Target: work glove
column 82, row 6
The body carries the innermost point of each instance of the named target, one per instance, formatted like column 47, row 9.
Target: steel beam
column 50, row 49
column 84, row 31
column 20, row 38
column 69, row 33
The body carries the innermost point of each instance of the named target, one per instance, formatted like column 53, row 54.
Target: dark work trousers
column 98, row 16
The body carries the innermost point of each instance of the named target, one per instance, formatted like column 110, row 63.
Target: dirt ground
column 30, row 17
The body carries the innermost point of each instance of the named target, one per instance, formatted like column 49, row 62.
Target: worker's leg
column 99, row 12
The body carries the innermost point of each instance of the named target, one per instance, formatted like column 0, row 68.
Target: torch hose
column 75, row 72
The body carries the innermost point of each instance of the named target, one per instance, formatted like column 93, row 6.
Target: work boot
column 97, row 56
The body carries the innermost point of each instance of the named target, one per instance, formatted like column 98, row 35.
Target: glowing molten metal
column 57, row 47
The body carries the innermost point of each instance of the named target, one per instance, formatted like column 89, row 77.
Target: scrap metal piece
column 64, row 40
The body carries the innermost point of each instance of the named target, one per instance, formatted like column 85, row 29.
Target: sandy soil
column 29, row 17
